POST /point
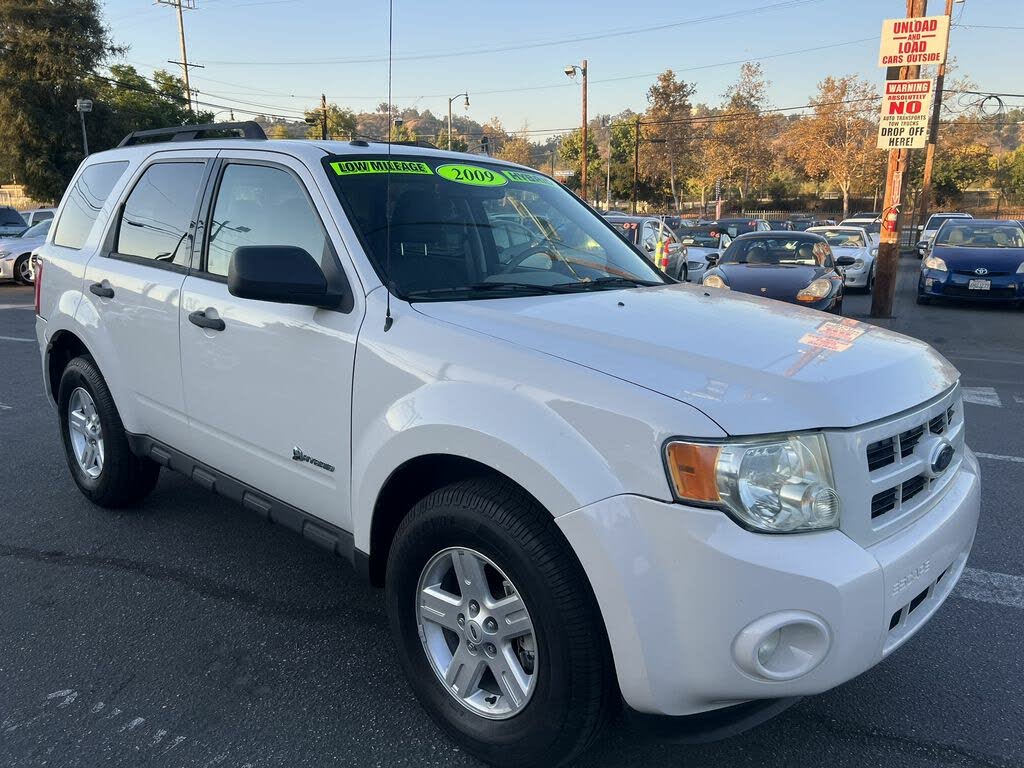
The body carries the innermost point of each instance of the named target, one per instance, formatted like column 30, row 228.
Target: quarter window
column 157, row 219
column 84, row 201
column 261, row 205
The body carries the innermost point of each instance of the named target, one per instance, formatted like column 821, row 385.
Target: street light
column 83, row 106
column 571, row 71
column 465, row 104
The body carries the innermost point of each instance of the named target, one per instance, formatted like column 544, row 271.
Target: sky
column 278, row 56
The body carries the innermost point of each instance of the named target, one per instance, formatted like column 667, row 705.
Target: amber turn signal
column 692, row 469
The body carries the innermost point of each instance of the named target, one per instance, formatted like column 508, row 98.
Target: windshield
column 38, row 230
column 704, row 236
column 455, row 230
column 778, row 251
column 873, row 227
column 10, row 218
column 839, row 238
column 734, row 227
column 970, row 234
column 937, row 220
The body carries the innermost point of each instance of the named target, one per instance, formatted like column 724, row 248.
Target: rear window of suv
column 84, row 203
column 10, row 217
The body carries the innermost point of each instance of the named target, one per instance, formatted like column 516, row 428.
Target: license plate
column 980, row 285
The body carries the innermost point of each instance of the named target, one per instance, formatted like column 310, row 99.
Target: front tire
column 95, row 443
column 496, row 626
column 22, row 270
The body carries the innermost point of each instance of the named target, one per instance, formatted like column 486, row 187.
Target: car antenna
column 388, row 320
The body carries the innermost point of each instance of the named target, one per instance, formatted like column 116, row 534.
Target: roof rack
column 248, row 130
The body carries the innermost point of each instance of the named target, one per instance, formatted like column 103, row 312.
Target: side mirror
column 649, row 246
column 282, row 274
column 845, row 261
column 711, row 259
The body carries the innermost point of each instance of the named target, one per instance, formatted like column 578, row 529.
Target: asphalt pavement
column 190, row 633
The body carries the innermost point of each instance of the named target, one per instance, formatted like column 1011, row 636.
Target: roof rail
column 248, row 130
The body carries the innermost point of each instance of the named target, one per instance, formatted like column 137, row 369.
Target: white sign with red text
column 921, row 40
column 906, row 107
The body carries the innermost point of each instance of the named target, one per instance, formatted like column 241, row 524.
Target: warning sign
column 906, row 107
column 921, row 40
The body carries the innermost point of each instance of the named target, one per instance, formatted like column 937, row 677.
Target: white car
column 569, row 505
column 931, row 227
column 16, row 253
column 872, row 226
column 705, row 244
column 34, row 216
column 858, row 244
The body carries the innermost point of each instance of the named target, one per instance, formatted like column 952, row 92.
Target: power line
column 565, row 40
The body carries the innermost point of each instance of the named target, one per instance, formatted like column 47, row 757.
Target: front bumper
column 678, row 585
column 856, row 278
column 951, row 285
column 7, row 267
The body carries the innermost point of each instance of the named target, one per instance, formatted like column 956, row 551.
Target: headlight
column 1020, row 269
column 874, row 251
column 4, row 254
column 774, row 486
column 819, row 289
column 934, row 262
column 714, row 281
column 858, row 264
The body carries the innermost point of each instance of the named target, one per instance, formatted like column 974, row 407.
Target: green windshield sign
column 528, row 178
column 355, row 167
column 476, row 175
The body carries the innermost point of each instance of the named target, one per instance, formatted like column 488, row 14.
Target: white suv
column 570, row 500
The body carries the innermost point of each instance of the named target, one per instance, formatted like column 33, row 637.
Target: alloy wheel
column 86, row 432
column 477, row 633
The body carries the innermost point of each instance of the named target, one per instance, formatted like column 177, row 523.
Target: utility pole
column 181, row 5
column 636, row 159
column 933, row 132
column 83, row 106
column 571, row 71
column 323, row 117
column 888, row 260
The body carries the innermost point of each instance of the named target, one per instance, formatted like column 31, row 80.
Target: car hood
column 752, row 365
column 701, row 251
column 21, row 244
column 968, row 259
column 774, row 281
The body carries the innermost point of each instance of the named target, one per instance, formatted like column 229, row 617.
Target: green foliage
column 49, row 47
column 957, row 168
column 571, row 150
column 341, row 122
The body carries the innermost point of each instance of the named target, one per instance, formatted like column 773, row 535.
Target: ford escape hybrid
column 451, row 372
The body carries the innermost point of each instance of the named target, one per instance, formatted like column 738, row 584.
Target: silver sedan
column 856, row 242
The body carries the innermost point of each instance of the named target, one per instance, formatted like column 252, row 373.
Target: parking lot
column 190, row 633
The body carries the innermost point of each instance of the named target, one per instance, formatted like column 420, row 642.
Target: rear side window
column 157, row 217
column 11, row 218
column 261, row 205
column 42, row 215
column 85, row 201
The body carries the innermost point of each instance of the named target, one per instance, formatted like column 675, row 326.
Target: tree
column 837, row 141
column 458, row 143
column 738, row 142
column 570, row 151
column 958, row 167
column 48, row 47
column 517, row 150
column 668, row 129
column 341, row 122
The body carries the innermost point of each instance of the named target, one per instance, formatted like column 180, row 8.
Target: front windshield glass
column 704, row 236
column 873, row 227
column 38, row 230
column 839, row 238
column 470, row 230
column 986, row 234
column 778, row 251
column 10, row 218
column 936, row 220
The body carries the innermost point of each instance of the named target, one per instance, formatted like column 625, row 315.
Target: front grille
column 972, row 274
column 882, row 471
column 909, row 441
column 906, row 619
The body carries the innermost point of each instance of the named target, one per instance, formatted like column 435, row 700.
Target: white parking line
column 17, row 306
column 989, row 587
column 999, row 457
column 982, row 396
column 14, row 338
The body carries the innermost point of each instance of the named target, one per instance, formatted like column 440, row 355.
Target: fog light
column 782, row 646
column 929, row 282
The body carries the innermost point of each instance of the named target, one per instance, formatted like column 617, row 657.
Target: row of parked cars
column 802, row 260
column 21, row 232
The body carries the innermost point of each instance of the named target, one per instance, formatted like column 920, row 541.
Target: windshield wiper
column 484, row 288
column 606, row 282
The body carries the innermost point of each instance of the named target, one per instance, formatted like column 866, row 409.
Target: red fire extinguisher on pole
column 889, row 219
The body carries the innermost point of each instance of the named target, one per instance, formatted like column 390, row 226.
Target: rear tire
column 572, row 689
column 118, row 478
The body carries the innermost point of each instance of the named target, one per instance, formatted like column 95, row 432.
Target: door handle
column 104, row 291
column 199, row 318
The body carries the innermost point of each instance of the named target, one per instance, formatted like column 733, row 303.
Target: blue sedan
column 974, row 259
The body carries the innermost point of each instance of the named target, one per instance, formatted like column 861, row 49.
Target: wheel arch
column 63, row 347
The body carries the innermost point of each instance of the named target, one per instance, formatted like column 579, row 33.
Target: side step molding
column 319, row 532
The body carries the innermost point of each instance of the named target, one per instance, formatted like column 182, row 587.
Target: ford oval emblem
column 981, row 271
column 941, row 457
